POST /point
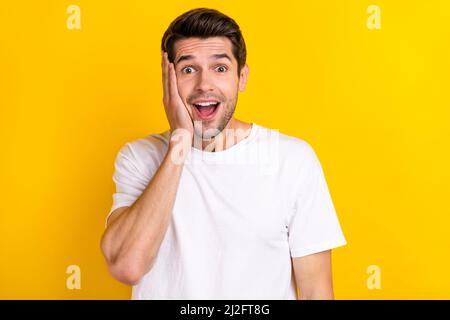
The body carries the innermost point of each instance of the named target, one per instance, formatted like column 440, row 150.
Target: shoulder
column 291, row 149
column 144, row 153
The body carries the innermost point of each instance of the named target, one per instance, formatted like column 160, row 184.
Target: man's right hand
column 178, row 114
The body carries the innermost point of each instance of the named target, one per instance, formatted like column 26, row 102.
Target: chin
column 207, row 132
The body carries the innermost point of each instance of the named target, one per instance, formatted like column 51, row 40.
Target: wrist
column 180, row 143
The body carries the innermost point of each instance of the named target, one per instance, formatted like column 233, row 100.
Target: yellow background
column 374, row 104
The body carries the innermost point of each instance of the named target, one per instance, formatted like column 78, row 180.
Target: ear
column 243, row 77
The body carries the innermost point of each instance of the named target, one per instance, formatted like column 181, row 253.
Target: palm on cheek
column 178, row 115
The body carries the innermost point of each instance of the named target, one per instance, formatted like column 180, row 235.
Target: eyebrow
column 215, row 56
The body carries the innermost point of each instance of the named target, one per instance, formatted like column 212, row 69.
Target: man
column 217, row 208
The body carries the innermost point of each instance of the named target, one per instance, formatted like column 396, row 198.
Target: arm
column 313, row 276
column 134, row 234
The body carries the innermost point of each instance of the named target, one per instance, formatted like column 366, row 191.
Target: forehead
column 202, row 47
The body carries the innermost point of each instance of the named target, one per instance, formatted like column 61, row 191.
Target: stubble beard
column 204, row 132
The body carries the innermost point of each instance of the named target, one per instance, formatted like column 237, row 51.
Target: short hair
column 204, row 23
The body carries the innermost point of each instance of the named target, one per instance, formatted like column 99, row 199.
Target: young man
column 217, row 208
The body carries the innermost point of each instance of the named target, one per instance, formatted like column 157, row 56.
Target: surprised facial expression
column 208, row 81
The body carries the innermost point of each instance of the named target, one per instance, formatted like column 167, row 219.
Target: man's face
column 208, row 81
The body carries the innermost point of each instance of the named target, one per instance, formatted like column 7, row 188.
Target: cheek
column 229, row 89
column 184, row 89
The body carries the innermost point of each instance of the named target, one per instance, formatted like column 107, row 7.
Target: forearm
column 316, row 293
column 131, row 241
column 313, row 276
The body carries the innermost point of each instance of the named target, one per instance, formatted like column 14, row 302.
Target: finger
column 173, row 82
column 165, row 76
column 174, row 94
column 170, row 87
column 173, row 86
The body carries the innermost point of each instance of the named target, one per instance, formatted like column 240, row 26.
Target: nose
column 204, row 82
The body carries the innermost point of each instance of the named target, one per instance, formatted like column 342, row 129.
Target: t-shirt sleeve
column 129, row 180
column 314, row 226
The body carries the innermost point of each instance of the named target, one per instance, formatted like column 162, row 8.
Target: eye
column 187, row 70
column 222, row 68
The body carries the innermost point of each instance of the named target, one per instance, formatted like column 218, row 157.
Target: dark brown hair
column 205, row 23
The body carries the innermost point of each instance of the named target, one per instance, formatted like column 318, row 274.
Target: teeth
column 205, row 104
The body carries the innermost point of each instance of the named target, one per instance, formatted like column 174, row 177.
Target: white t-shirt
column 239, row 216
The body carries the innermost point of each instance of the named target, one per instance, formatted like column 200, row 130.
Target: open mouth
column 206, row 110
